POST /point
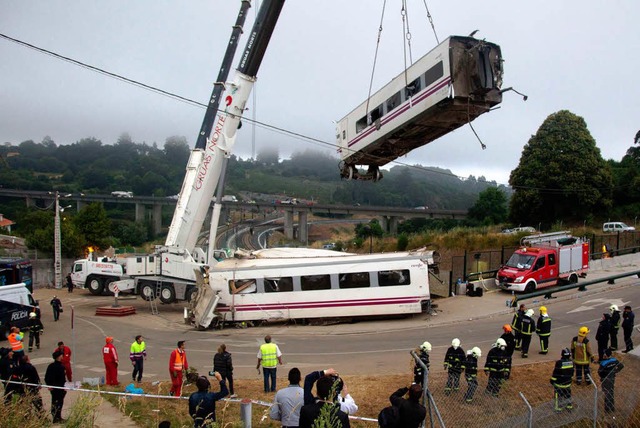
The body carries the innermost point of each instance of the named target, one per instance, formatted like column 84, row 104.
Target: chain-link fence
column 527, row 399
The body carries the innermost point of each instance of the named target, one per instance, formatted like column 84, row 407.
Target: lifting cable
column 431, row 21
column 406, row 42
column 375, row 58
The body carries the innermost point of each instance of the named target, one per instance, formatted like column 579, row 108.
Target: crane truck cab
column 544, row 260
column 95, row 273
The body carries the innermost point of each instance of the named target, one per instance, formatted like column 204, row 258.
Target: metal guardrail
column 581, row 286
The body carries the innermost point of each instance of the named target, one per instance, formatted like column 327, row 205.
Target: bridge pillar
column 288, row 224
column 389, row 224
column 139, row 212
column 80, row 204
column 157, row 219
column 384, row 223
column 303, row 227
column 393, row 225
column 29, row 200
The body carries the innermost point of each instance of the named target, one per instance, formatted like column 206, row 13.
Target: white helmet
column 426, row 347
column 477, row 352
column 455, row 343
column 501, row 343
column 613, row 308
column 529, row 312
column 32, row 314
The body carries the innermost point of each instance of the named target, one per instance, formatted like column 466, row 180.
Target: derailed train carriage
column 301, row 283
column 450, row 86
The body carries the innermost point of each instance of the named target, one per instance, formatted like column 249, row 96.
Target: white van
column 617, row 226
column 16, row 302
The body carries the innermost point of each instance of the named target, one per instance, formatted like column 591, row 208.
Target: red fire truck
column 545, row 260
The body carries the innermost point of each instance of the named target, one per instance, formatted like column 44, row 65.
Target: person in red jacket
column 110, row 356
column 66, row 359
column 177, row 365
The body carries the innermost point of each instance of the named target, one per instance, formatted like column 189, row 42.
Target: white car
column 617, row 226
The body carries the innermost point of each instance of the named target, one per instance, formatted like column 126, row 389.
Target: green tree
column 94, row 224
column 403, row 242
column 561, row 174
column 490, row 208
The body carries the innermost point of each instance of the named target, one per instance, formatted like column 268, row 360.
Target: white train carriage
column 294, row 283
column 454, row 83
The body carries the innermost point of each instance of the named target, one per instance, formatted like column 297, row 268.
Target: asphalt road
column 367, row 347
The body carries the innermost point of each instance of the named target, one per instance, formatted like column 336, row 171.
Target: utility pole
column 57, row 261
column 57, row 243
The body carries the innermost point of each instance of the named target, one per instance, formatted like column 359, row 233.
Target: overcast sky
column 575, row 55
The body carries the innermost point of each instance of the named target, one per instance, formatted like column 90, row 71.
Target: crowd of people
column 296, row 406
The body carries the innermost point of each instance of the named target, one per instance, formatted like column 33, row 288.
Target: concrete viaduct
column 389, row 216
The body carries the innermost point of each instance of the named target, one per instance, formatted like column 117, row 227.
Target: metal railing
column 581, row 286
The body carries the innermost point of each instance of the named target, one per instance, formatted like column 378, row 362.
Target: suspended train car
column 454, row 83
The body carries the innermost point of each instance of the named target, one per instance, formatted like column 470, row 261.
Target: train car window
column 393, row 102
column 242, row 286
column 278, row 285
column 433, row 74
column 361, row 124
column 413, row 88
column 376, row 113
column 394, row 277
column 354, row 280
column 315, row 282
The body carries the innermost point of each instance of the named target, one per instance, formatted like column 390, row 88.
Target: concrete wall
column 43, row 274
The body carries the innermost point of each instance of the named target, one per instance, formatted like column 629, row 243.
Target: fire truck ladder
column 545, row 238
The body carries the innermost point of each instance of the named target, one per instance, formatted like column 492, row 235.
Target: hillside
column 90, row 166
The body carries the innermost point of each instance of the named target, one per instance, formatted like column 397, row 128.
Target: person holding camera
column 342, row 396
column 202, row 403
column 411, row 413
column 323, row 408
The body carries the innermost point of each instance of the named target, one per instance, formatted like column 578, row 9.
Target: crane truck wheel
column 191, row 294
column 108, row 287
column 147, row 292
column 167, row 294
column 95, row 285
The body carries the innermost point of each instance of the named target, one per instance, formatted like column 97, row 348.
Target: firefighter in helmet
column 561, row 381
column 418, row 371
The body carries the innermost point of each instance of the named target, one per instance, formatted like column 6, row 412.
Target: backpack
column 389, row 417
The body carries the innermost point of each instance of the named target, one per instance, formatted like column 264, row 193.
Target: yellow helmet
column 543, row 309
column 583, row 331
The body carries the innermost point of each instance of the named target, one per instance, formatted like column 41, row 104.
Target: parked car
column 617, row 226
column 527, row 229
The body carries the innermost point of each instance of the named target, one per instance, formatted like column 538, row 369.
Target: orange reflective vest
column 15, row 339
column 179, row 361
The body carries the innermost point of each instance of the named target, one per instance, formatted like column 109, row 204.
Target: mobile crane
column 170, row 271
